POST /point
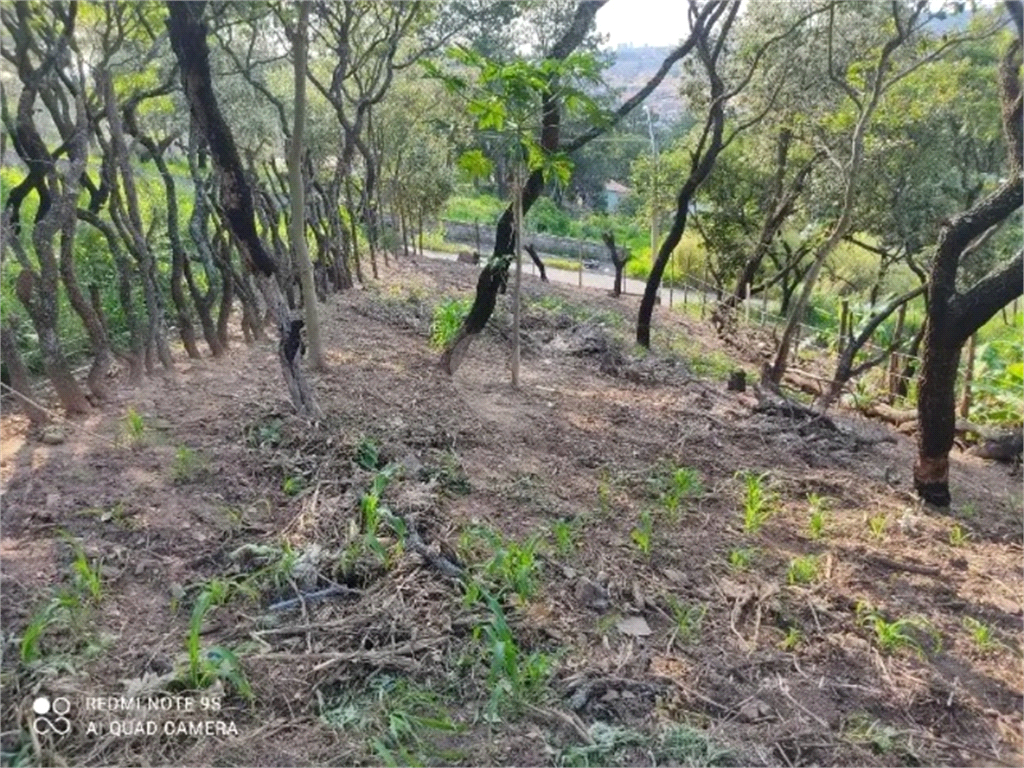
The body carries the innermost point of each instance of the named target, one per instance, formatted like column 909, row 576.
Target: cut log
column 1006, row 448
column 890, row 414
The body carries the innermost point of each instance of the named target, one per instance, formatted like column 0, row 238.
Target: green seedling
column 982, row 634
column 564, row 533
column 217, row 663
column 758, row 501
column 187, row 466
column 293, row 485
column 367, row 454
column 688, row 618
column 134, row 427
column 802, row 570
column 641, row 535
column 683, row 484
column 816, row 525
column 877, row 524
column 740, row 559
column 792, row 639
column 958, row 536
column 448, row 316
column 892, row 636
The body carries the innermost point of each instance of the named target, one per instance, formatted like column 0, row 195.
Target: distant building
column 613, row 195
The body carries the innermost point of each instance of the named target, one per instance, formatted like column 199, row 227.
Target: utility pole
column 654, row 203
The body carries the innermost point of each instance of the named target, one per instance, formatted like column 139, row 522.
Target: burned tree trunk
column 14, row 367
column 533, row 255
column 188, row 39
column 619, row 261
column 953, row 317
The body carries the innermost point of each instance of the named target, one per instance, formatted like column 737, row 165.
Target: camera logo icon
column 50, row 716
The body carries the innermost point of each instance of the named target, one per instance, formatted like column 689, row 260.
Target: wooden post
column 965, row 397
column 671, row 277
column 895, row 357
column 764, row 306
column 746, row 304
column 476, row 226
column 580, row 273
column 704, row 293
column 844, row 321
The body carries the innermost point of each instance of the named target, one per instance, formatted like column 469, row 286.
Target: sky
column 643, row 22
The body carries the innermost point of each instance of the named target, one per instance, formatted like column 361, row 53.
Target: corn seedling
column 604, row 493
column 883, row 739
column 982, row 635
column 514, row 677
column 688, row 618
column 217, row 663
column 958, row 536
column 792, row 639
column 891, row 636
column 641, row 535
column 740, row 559
column 877, row 524
column 134, row 427
column 187, row 466
column 758, row 501
column 802, row 570
column 564, row 533
column 816, row 525
column 683, row 484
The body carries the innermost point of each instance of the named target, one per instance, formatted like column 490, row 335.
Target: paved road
column 591, row 278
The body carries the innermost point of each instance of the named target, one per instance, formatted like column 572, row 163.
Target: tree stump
column 737, row 381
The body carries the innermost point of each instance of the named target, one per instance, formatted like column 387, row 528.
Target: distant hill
column 634, row 66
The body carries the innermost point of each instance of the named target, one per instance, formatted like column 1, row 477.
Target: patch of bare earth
column 701, row 650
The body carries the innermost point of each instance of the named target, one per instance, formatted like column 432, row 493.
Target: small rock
column 591, row 595
column 569, row 573
column 635, row 626
column 610, row 695
column 673, row 575
column 53, row 435
column 52, row 500
column 754, row 710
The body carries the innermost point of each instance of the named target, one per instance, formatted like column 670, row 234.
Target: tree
column 188, row 39
column 864, row 86
column 298, row 197
column 953, row 316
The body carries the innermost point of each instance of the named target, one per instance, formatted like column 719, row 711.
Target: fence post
column 764, row 306
column 746, row 304
column 895, row 357
column 965, row 398
column 579, row 248
column 704, row 292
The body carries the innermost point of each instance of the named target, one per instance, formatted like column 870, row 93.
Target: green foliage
column 877, row 524
column 999, row 379
column 958, row 536
column 818, row 505
column 134, row 427
column 216, row 663
column 892, row 636
column 688, row 618
column 565, row 533
column 367, row 453
column 293, row 485
column 188, row 465
column 802, row 570
column 472, row 208
column 740, row 559
column 511, row 568
column 674, row 485
column 758, row 501
column 981, row 633
column 792, row 639
column 448, row 317
column 545, row 216
column 643, row 533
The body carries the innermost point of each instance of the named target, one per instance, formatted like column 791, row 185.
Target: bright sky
column 643, row 22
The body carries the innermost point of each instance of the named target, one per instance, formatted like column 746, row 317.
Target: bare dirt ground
column 529, row 590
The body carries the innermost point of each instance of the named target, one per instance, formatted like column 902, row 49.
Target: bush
column 544, row 216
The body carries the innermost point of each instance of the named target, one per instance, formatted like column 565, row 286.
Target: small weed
column 816, row 525
column 802, row 570
column 515, row 677
column 41, row 621
column 958, row 536
column 293, row 485
column 792, row 639
column 891, row 636
column 265, row 435
column 877, row 524
column 604, row 493
column 688, row 618
column 758, row 501
column 565, row 533
column 982, row 635
column 740, row 559
column 448, row 316
column 511, row 567
column 685, row 745
column 134, row 427
column 641, row 535
column 450, row 475
column 882, row 739
column 606, row 744
column 188, row 465
column 367, row 454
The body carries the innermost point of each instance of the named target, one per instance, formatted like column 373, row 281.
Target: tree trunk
column 953, row 317
column 15, row 368
column 519, row 277
column 188, row 39
column 298, row 199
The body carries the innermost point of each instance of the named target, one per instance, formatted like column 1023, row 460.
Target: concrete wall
column 567, row 247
